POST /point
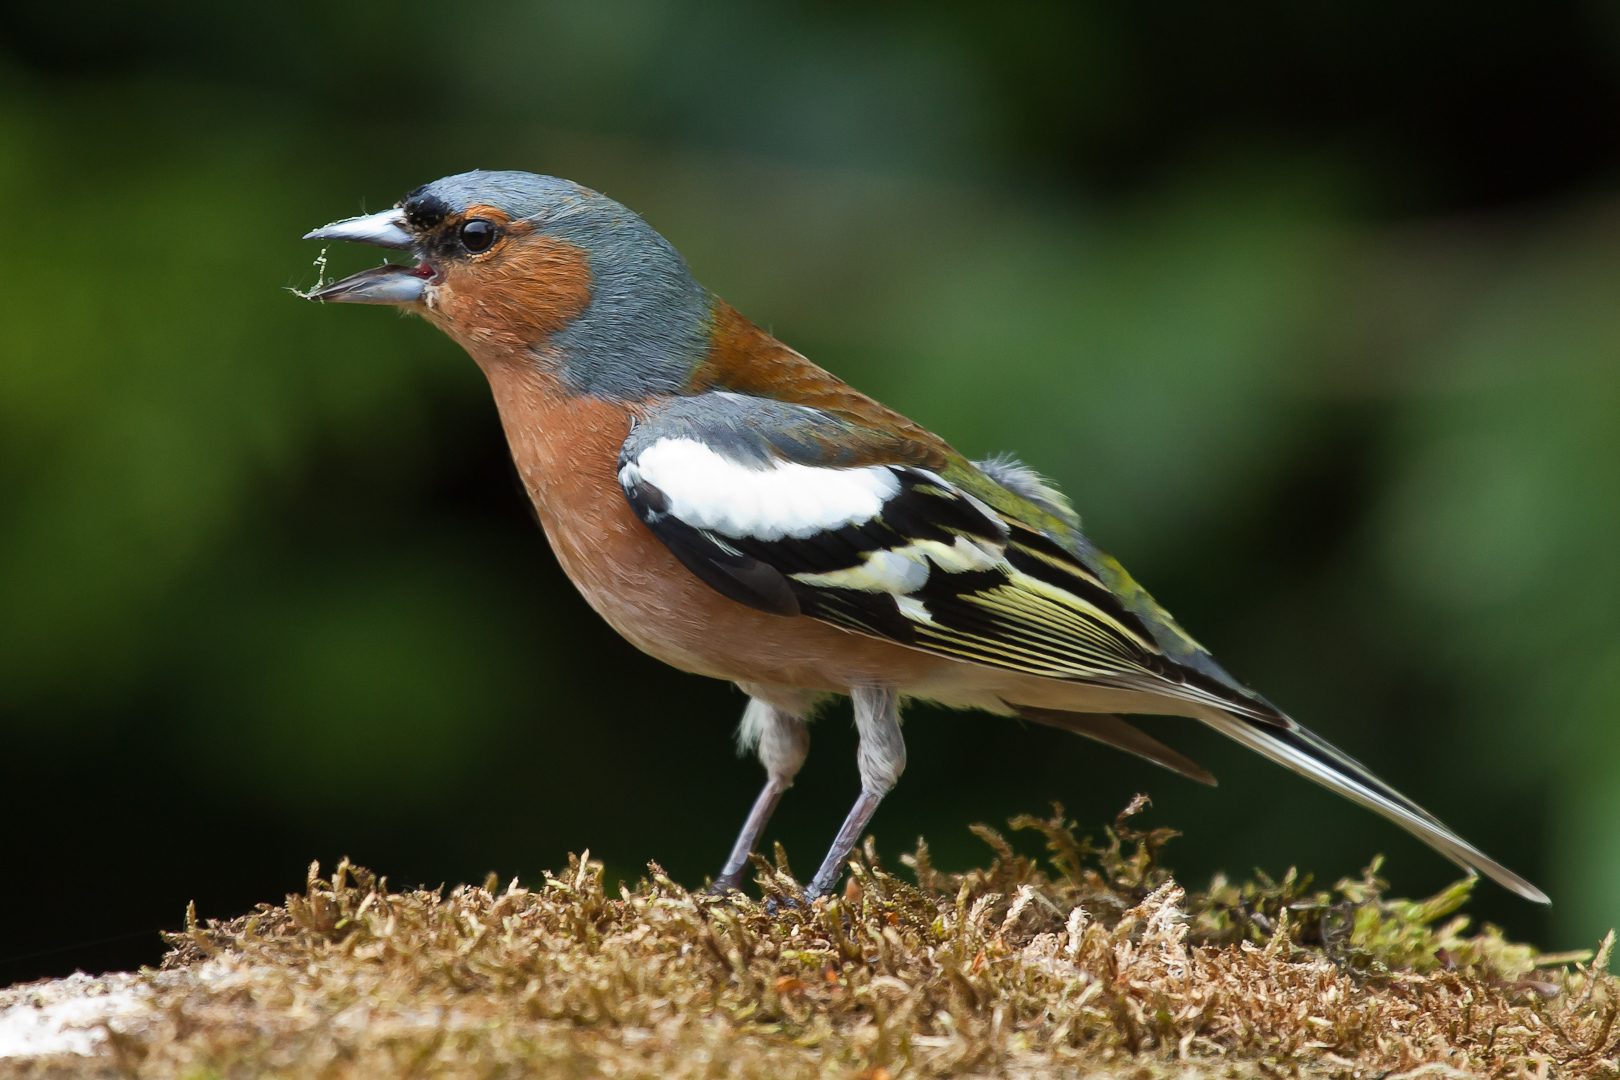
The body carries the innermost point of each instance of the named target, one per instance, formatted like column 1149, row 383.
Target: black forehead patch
column 423, row 209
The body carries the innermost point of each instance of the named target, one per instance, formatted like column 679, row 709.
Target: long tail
column 1315, row 757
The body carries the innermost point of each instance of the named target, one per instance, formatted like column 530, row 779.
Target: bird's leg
column 882, row 758
column 782, row 741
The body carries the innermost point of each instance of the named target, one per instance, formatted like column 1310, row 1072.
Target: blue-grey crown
column 518, row 194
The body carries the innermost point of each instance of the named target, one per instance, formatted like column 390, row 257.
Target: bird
column 738, row 512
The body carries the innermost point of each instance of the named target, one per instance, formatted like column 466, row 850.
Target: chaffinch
column 738, row 512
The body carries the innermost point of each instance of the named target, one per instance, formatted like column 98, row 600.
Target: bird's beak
column 384, row 230
column 390, row 284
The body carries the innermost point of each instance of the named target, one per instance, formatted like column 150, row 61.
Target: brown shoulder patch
column 746, row 360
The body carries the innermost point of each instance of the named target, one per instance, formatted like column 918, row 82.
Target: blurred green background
column 1313, row 309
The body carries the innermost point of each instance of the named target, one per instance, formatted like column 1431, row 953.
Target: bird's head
column 527, row 269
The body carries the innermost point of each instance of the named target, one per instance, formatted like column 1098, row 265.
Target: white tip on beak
column 383, row 230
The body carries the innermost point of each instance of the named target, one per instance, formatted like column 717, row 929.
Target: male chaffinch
column 738, row 512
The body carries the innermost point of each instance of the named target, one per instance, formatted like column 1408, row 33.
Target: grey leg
column 882, row 758
column 782, row 741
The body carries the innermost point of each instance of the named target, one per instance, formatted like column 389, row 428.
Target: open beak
column 390, row 284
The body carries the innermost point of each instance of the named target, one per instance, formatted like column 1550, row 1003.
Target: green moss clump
column 1093, row 963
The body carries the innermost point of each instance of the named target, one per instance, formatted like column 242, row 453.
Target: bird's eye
column 477, row 235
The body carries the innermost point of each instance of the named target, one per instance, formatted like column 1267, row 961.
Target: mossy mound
column 1098, row 965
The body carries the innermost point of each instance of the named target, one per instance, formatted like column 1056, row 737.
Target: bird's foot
column 781, row 905
column 725, row 884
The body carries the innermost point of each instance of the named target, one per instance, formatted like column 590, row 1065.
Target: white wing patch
column 900, row 570
column 961, row 555
column 914, row 609
column 905, row 569
column 784, row 499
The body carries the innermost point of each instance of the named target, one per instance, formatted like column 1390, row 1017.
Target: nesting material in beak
column 390, row 284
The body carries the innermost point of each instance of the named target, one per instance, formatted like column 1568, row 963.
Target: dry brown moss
column 1101, row 965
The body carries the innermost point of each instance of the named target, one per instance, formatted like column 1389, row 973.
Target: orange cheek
column 525, row 291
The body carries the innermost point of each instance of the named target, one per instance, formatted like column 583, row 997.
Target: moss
column 1096, row 962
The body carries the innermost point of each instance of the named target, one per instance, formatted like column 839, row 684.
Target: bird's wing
column 795, row 510
column 801, row 511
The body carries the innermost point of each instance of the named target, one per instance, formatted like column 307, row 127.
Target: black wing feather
column 727, row 571
column 1032, row 604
